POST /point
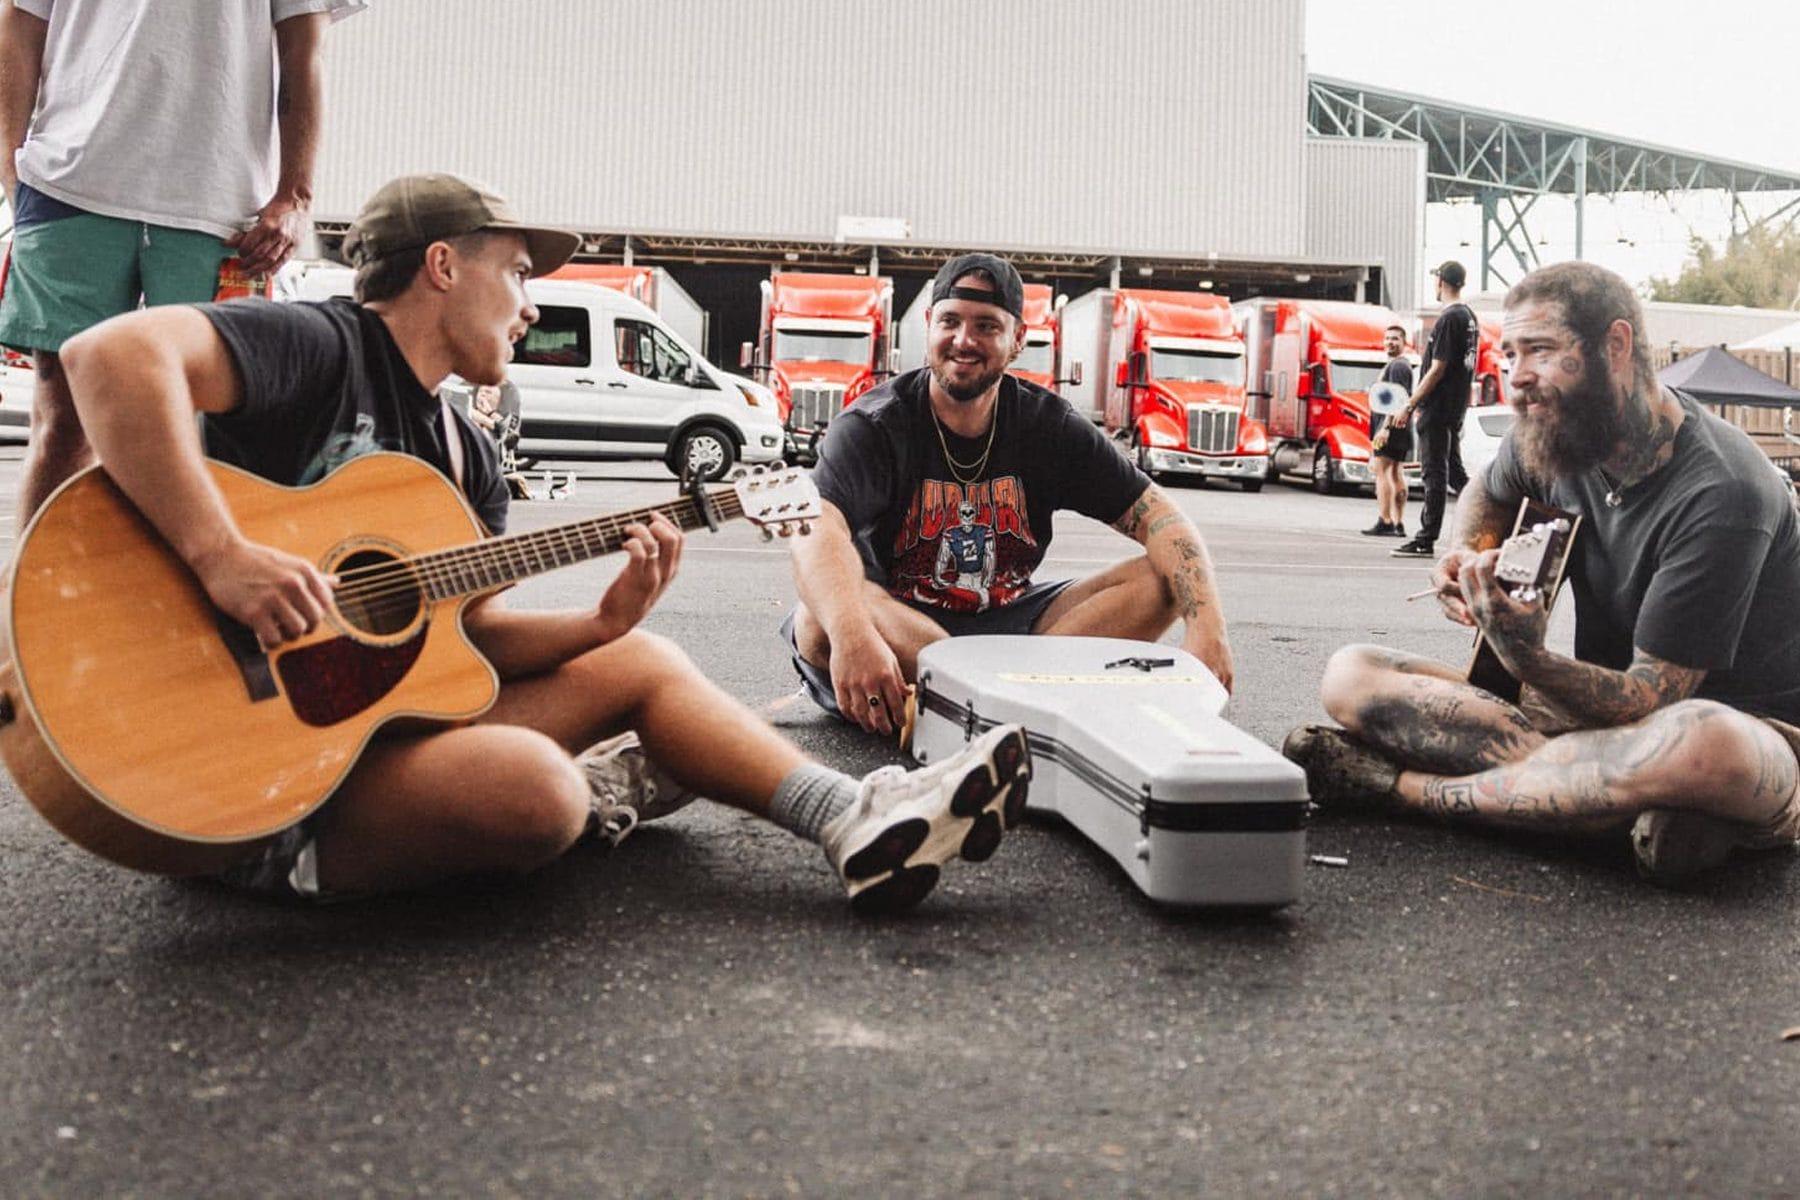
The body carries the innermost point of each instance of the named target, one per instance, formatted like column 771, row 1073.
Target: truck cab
column 823, row 340
column 1312, row 363
column 1170, row 383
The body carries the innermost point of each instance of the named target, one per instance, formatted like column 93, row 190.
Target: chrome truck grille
column 815, row 405
column 1212, row 430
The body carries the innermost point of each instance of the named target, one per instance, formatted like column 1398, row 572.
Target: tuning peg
column 756, row 470
column 767, row 536
column 787, row 530
column 805, row 528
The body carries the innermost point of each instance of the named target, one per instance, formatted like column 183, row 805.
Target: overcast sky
column 1720, row 79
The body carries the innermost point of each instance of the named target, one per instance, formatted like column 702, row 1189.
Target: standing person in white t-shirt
column 128, row 188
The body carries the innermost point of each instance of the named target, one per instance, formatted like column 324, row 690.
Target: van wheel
column 1322, row 481
column 706, row 452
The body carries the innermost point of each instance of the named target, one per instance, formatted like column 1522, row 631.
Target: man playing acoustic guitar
column 291, row 391
column 1677, row 715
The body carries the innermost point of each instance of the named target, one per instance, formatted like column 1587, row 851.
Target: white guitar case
column 1128, row 746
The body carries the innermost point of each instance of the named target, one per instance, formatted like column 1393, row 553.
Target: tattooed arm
column 1594, row 695
column 1178, row 554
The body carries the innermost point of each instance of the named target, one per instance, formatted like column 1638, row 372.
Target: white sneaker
column 888, row 846
column 627, row 787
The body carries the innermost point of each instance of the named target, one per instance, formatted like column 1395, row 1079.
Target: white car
column 1481, row 433
column 17, row 382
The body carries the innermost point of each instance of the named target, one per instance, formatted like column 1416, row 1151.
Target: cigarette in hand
column 1430, row 591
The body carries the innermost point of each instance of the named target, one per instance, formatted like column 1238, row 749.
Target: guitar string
column 614, row 520
column 537, row 551
column 540, row 550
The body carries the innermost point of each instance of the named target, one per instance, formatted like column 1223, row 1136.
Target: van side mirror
column 1075, row 373
column 747, row 355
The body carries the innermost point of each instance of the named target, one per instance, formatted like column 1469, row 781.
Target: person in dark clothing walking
column 1440, row 402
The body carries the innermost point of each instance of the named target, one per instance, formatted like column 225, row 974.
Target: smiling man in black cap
column 939, row 490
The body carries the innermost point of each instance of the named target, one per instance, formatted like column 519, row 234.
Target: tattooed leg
column 1696, row 755
column 1422, row 713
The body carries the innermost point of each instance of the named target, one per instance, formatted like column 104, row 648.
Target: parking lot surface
column 697, row 1013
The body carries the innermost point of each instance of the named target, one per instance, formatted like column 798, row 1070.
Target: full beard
column 1575, row 431
column 964, row 392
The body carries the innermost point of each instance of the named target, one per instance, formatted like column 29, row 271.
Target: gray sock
column 810, row 796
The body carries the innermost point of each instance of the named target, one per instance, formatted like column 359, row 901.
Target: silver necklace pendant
column 1613, row 499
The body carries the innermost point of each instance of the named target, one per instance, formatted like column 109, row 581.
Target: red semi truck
column 1037, row 362
column 1163, row 371
column 822, row 341
column 1312, row 363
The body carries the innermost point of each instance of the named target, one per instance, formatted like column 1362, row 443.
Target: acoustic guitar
column 1532, row 563
column 148, row 728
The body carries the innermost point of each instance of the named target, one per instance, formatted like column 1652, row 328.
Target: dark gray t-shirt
column 324, row 383
column 1699, row 566
column 927, row 537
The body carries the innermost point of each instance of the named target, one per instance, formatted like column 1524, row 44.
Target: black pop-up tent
column 1714, row 377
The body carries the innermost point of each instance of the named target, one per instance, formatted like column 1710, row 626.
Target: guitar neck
column 482, row 566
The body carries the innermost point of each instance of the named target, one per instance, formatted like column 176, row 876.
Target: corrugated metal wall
column 1366, row 203
column 1153, row 126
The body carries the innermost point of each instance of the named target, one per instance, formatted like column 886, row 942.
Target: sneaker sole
column 900, row 867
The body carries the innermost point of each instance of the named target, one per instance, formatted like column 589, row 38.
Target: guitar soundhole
column 375, row 596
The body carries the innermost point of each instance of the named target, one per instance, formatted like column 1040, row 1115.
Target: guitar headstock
column 778, row 499
column 1531, row 559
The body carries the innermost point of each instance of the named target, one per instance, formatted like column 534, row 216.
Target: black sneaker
column 1378, row 529
column 1417, row 548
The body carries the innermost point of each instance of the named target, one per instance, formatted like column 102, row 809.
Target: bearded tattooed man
column 1676, row 717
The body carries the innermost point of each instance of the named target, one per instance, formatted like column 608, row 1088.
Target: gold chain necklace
column 980, row 464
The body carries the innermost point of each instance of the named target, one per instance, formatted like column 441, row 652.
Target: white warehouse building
column 1161, row 140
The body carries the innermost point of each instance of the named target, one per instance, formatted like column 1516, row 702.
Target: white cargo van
column 601, row 376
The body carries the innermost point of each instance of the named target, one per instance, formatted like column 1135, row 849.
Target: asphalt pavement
column 698, row 1014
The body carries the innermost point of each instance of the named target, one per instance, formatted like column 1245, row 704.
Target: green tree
column 1760, row 268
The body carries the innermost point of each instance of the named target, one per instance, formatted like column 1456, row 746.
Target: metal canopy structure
column 1233, row 276
column 1508, row 163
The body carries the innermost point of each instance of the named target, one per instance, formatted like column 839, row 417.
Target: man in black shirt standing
column 291, row 391
column 1440, row 402
column 1679, row 714
column 939, row 490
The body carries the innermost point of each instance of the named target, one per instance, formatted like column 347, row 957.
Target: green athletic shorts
column 66, row 274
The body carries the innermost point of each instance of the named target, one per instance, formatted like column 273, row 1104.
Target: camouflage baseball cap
column 416, row 210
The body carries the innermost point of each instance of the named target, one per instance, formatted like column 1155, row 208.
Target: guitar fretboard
column 480, row 566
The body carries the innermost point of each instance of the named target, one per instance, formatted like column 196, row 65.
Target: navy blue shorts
column 1017, row 617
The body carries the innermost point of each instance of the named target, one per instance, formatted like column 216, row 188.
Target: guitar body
column 1486, row 671
column 149, row 732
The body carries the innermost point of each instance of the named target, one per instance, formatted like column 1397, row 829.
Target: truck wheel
column 705, row 451
column 1251, row 485
column 1140, row 454
column 1322, row 481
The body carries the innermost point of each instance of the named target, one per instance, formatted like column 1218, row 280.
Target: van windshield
column 822, row 345
column 1196, row 366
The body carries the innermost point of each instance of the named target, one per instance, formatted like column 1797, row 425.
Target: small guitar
column 151, row 730
column 1532, row 563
